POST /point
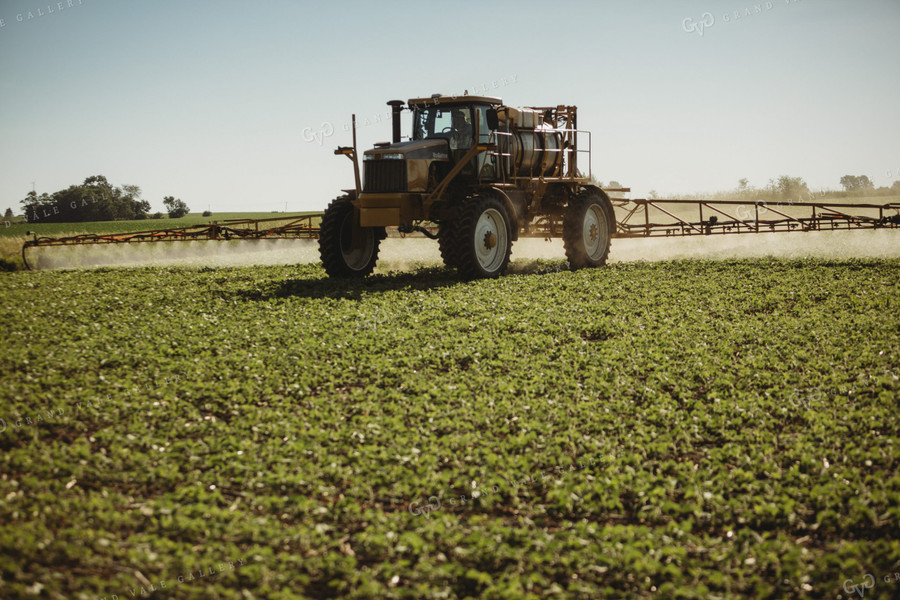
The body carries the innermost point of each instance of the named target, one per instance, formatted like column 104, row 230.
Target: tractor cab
column 444, row 129
column 462, row 121
column 454, row 122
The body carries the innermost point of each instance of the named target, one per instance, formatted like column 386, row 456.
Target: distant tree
column 854, row 183
column 175, row 207
column 8, row 214
column 896, row 186
column 157, row 215
column 791, row 188
column 94, row 200
column 613, row 184
column 207, row 213
column 652, row 195
column 141, row 206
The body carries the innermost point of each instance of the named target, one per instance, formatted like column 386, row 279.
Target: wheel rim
column 594, row 232
column 491, row 240
column 356, row 258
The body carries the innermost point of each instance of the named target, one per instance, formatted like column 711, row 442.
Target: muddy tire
column 482, row 238
column 339, row 258
column 588, row 226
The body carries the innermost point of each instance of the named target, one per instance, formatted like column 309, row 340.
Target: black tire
column 588, row 226
column 447, row 242
column 335, row 234
column 483, row 238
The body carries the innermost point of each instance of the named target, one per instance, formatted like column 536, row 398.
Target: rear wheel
column 588, row 226
column 483, row 239
column 339, row 256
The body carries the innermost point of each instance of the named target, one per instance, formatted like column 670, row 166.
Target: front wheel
column 483, row 239
column 447, row 241
column 587, row 229
column 339, row 255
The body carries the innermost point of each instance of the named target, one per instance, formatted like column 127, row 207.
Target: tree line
column 95, row 200
column 794, row 189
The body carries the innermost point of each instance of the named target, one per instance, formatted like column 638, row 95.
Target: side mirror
column 493, row 121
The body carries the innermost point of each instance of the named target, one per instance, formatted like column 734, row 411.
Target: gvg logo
column 706, row 20
column 748, row 212
column 372, row 321
column 416, row 509
column 556, row 268
column 868, row 583
column 806, row 398
column 325, row 130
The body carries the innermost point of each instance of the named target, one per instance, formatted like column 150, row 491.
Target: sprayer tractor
column 484, row 173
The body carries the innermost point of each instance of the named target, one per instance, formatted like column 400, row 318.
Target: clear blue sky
column 210, row 101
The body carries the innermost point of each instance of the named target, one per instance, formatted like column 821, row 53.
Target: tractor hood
column 435, row 148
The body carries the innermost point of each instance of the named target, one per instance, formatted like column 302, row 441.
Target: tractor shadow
column 425, row 278
column 421, row 278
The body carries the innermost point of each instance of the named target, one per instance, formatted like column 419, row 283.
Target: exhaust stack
column 396, row 107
